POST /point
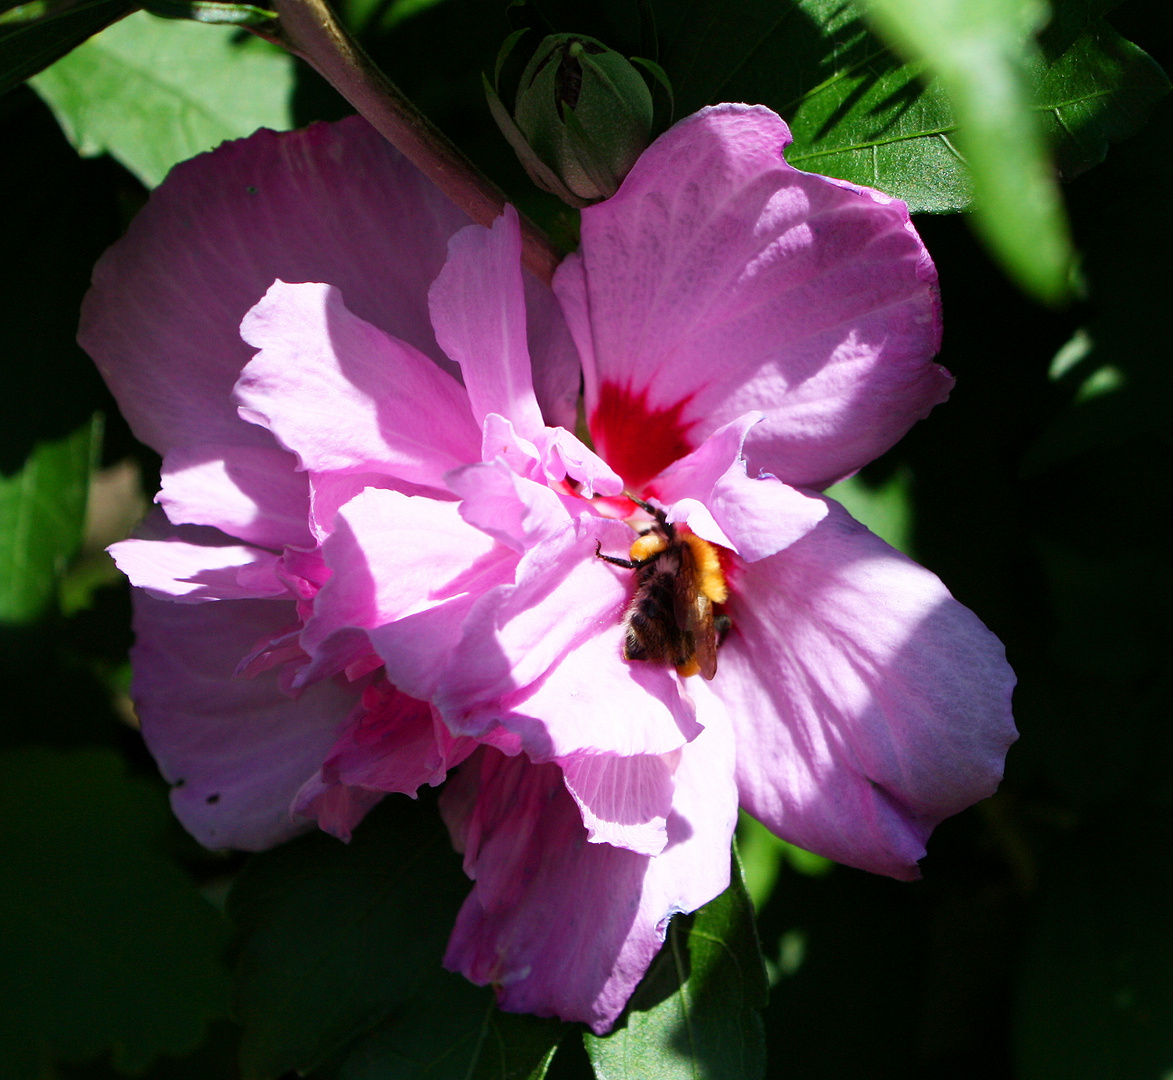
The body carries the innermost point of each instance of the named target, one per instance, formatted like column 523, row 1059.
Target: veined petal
column 624, row 801
column 710, row 491
column 818, row 298
column 250, row 492
column 563, row 927
column 508, row 507
column 868, row 703
column 595, row 702
column 561, row 597
column 236, row 751
column 332, row 203
column 347, row 397
column 478, row 310
column 393, row 744
column 392, row 556
column 190, row 573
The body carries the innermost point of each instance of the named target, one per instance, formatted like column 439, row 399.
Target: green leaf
column 42, row 521
column 335, row 936
column 35, row 34
column 860, row 112
column 695, row 1015
column 154, row 92
column 107, row 945
column 982, row 53
column 886, row 508
column 452, row 1030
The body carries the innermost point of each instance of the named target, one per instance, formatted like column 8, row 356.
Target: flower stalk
column 309, row 30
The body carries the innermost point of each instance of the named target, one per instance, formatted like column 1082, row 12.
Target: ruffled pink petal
column 346, row 397
column 394, row 744
column 562, row 597
column 337, row 808
column 332, row 203
column 236, row 751
column 196, row 573
column 250, row 492
column 868, row 704
column 391, row 556
column 508, row 507
column 710, row 491
column 719, row 279
column 624, row 801
column 595, row 702
column 478, row 310
column 557, row 374
column 563, row 927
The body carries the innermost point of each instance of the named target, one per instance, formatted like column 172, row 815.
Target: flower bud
column 583, row 115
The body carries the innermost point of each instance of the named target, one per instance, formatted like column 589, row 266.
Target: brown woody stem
column 309, row 29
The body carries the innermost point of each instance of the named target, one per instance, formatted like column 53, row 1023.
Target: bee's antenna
column 655, row 511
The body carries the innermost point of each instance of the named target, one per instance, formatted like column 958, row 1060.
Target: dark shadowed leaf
column 107, row 946
column 1095, row 1001
column 34, row 34
column 695, row 1015
column 452, row 1030
column 335, row 937
column 152, row 92
column 42, row 519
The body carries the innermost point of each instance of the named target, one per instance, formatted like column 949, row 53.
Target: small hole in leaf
column 212, row 799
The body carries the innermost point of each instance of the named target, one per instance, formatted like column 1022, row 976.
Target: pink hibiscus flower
column 378, row 556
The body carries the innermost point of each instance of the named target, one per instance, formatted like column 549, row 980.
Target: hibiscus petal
column 562, row 597
column 394, row 744
column 478, row 310
column 557, row 373
column 595, row 702
column 624, row 801
column 817, row 298
column 196, row 573
column 713, row 495
column 506, row 506
column 391, row 556
column 236, row 750
column 563, row 927
column 868, row 703
column 347, row 397
column 332, row 203
column 250, row 492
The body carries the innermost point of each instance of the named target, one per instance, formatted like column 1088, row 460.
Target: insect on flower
column 670, row 619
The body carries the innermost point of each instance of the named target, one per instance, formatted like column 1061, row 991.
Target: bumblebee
column 678, row 580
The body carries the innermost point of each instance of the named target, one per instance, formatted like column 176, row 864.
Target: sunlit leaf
column 107, row 945
column 696, row 1012
column 42, row 520
column 153, row 92
column 861, row 112
column 982, row 54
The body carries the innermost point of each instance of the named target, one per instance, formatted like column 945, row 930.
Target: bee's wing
column 694, row 613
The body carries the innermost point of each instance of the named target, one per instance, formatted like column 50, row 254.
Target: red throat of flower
column 637, row 441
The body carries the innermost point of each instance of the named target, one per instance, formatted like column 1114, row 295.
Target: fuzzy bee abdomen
column 652, row 630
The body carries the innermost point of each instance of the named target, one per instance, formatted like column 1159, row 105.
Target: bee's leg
column 627, row 564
